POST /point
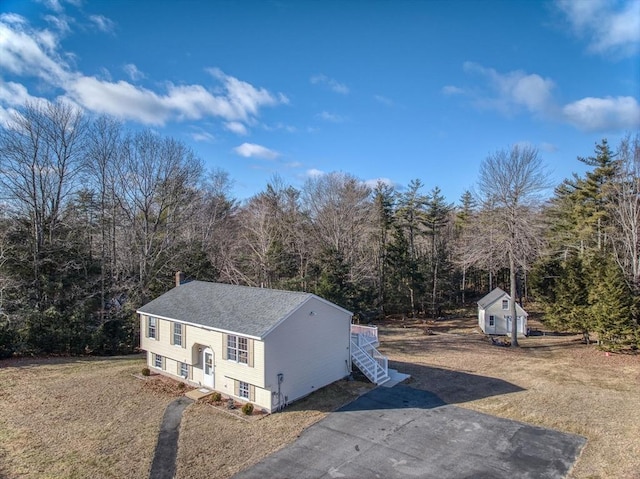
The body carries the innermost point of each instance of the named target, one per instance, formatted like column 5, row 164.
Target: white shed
column 494, row 314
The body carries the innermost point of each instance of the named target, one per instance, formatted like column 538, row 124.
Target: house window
column 238, row 349
column 183, row 370
column 492, row 320
column 157, row 361
column 505, row 304
column 177, row 334
column 243, row 389
column 151, row 327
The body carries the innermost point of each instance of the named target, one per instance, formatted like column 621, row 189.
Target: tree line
column 95, row 219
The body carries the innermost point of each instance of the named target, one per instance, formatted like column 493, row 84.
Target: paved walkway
column 164, row 458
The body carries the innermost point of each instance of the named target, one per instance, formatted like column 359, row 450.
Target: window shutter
column 172, row 331
column 252, row 393
column 236, row 387
column 224, row 346
column 250, row 352
column 183, row 329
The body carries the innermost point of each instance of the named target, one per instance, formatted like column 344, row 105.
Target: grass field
column 91, row 418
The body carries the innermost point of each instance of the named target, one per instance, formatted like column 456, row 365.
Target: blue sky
column 391, row 90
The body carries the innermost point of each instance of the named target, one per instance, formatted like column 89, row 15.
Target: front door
column 207, row 361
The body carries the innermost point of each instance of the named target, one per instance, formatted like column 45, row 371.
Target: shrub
column 181, row 385
column 216, row 397
column 247, row 409
column 146, row 372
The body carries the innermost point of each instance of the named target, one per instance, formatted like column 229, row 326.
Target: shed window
column 505, row 304
column 492, row 320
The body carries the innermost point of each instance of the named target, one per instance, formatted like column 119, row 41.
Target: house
column 494, row 314
column 268, row 347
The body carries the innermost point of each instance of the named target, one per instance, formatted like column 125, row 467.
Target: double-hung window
column 505, row 304
column 152, row 328
column 238, row 349
column 492, row 320
column 177, row 334
column 243, row 389
column 184, row 370
column 157, row 361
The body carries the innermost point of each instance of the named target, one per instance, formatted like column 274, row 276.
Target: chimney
column 179, row 278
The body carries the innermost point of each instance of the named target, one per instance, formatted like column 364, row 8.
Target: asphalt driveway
column 403, row 432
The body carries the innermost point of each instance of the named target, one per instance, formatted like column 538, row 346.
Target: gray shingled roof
column 491, row 298
column 239, row 309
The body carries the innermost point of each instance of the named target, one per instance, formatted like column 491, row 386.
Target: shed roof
column 240, row 309
column 494, row 296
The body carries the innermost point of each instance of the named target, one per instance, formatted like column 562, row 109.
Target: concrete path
column 402, row 432
column 164, row 458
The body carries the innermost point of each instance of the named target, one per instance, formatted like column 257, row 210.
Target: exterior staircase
column 375, row 366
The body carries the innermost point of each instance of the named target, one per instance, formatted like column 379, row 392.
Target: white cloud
column 513, row 90
column 384, row 100
column 602, row 114
column 59, row 22
column 293, row 164
column 251, row 150
column 332, row 84
column 24, row 51
column 132, row 71
column 372, row 183
column 122, row 100
column 315, row 173
column 30, row 52
column 236, row 127
column 609, row 27
column 102, row 23
column 452, row 90
column 202, row 136
column 548, row 147
column 54, row 5
column 332, row 117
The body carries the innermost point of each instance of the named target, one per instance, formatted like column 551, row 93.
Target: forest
column 95, row 219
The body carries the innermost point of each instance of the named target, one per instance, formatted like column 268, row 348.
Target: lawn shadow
column 431, row 387
column 32, row 361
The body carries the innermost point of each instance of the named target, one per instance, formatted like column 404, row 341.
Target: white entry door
column 207, row 362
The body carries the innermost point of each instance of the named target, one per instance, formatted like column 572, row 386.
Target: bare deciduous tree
column 511, row 184
column 625, row 212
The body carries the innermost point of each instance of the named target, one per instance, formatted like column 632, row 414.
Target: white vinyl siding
column 310, row 348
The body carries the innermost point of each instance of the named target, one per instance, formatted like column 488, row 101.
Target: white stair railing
column 372, row 364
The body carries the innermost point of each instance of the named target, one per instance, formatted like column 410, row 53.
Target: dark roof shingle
column 227, row 307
